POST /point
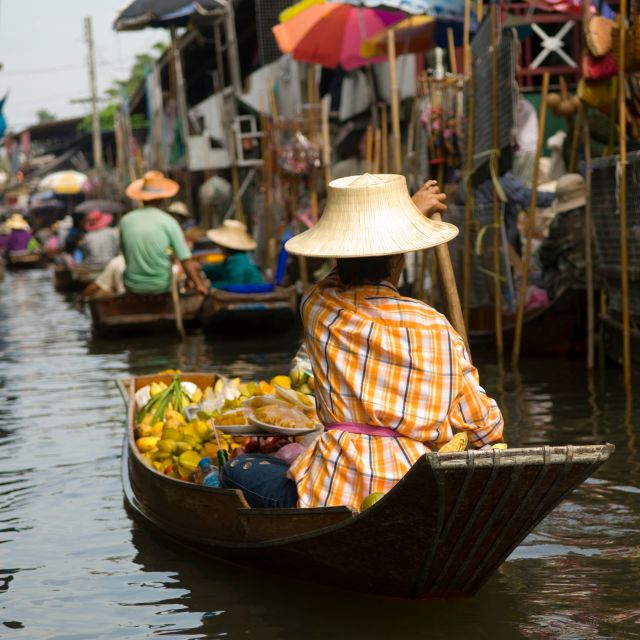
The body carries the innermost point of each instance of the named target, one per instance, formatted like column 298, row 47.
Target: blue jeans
column 262, row 479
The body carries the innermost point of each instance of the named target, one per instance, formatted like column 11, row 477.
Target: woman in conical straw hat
column 392, row 377
column 237, row 267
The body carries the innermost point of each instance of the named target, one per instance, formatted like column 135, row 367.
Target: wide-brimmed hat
column 370, row 215
column 153, row 186
column 17, row 222
column 96, row 220
column 571, row 192
column 179, row 208
column 232, row 235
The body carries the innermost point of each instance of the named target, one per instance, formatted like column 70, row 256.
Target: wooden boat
column 555, row 329
column 2, row 268
column 25, row 260
column 277, row 309
column 134, row 312
column 442, row 530
column 612, row 337
column 75, row 278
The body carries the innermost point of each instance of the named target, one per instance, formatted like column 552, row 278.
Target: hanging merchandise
column 442, row 118
column 297, row 155
column 598, row 68
column 632, row 46
column 598, row 35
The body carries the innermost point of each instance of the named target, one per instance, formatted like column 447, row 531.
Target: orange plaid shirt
column 387, row 361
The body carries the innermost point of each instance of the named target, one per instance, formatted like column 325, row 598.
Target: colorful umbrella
column 65, row 182
column 331, row 33
column 412, row 35
column 163, row 13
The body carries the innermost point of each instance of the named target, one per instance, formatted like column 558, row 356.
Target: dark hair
column 361, row 270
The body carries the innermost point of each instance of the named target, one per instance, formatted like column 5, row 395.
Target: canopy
column 140, row 14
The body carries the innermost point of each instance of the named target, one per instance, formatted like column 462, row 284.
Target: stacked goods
column 178, row 425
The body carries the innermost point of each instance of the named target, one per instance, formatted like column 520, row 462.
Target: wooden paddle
column 450, row 288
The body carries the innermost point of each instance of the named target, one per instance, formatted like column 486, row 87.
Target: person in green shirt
column 237, row 268
column 151, row 239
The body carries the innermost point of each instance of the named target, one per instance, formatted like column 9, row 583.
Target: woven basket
column 632, row 46
column 598, row 35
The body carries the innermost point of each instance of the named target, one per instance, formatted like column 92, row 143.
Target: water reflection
column 75, row 565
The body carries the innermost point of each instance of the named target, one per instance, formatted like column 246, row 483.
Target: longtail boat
column 612, row 331
column 276, row 309
column 135, row 312
column 443, row 530
column 557, row 328
column 76, row 277
column 25, row 260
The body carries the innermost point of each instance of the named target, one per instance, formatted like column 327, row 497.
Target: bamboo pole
column 576, row 135
column 368, row 159
column 497, row 287
column 588, row 259
column 624, row 261
column 377, row 143
column 384, row 123
column 466, row 44
column 395, row 101
column 531, row 219
column 267, row 180
column 326, row 142
column 453, row 62
column 468, row 206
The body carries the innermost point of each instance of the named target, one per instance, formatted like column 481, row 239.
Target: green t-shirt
column 146, row 235
column 236, row 269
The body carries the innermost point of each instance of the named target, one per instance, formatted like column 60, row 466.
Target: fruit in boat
column 265, row 388
column 500, row 445
column 188, row 462
column 147, row 443
column 282, row 381
column 167, row 445
column 457, row 443
column 370, row 500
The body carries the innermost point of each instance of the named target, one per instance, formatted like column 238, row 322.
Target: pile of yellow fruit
column 174, row 445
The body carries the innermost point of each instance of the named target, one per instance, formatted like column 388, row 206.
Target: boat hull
column 235, row 312
column 612, row 338
column 136, row 313
column 441, row 531
column 75, row 278
column 33, row 260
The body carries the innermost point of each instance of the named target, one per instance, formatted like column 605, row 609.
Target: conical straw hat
column 370, row 215
column 232, row 235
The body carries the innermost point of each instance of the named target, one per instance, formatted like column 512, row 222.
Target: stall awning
column 140, row 14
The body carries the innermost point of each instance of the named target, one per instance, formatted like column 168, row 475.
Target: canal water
column 75, row 565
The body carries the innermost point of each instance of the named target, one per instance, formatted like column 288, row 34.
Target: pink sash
column 362, row 429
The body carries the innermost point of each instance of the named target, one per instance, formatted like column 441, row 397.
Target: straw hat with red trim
column 153, row 186
column 232, row 235
column 96, row 220
column 370, row 215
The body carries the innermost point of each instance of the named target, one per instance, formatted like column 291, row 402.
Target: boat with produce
column 76, row 277
column 25, row 260
column 266, row 307
column 443, row 530
column 137, row 312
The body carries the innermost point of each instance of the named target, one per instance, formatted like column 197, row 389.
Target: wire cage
column 481, row 281
column 605, row 211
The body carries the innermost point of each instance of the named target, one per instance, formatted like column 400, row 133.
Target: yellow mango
column 157, row 428
column 197, row 396
column 282, row 381
column 147, row 443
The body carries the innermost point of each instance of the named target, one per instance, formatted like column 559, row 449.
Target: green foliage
column 45, row 116
column 127, row 88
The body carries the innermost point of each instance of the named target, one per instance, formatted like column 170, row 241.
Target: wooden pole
column 267, row 179
column 175, row 299
column 96, row 134
column 450, row 289
column 326, row 142
column 384, row 123
column 531, row 220
column 466, row 43
column 624, row 261
column 497, row 214
column 368, row 158
column 576, row 135
column 453, row 62
column 468, row 206
column 588, row 259
column 395, row 101
column 377, row 142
